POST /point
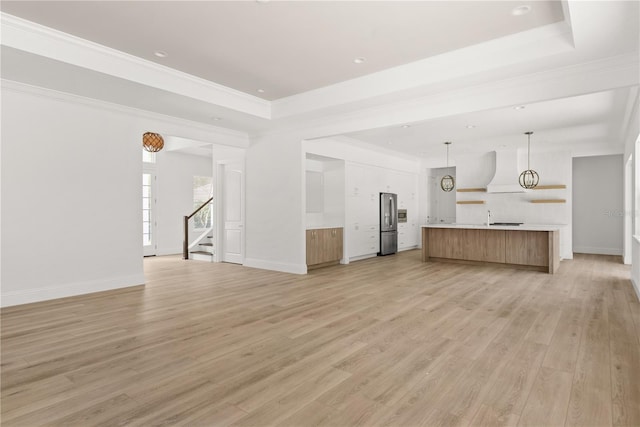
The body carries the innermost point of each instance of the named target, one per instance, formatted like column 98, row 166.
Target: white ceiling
column 436, row 65
column 285, row 47
column 596, row 118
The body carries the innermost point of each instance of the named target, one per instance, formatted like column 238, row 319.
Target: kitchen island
column 533, row 247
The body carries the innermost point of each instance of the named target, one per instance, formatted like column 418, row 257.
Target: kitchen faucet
column 488, row 218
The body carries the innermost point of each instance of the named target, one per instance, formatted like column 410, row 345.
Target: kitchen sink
column 507, row 223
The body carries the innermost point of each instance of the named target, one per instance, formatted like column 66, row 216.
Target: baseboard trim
column 636, row 288
column 361, row 257
column 275, row 266
column 80, row 288
column 596, row 250
column 165, row 252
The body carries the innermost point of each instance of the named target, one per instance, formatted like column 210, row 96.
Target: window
column 147, row 204
column 148, row 157
column 202, row 191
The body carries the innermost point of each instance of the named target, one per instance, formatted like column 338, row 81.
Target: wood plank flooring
column 388, row 341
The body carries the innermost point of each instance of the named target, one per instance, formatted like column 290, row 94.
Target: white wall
column 71, row 220
column 174, row 190
column 442, row 204
column 71, row 189
column 598, row 206
column 275, row 208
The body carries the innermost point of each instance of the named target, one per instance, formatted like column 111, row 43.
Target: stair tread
column 201, row 252
column 205, row 244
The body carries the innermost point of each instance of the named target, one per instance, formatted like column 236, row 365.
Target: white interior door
column 148, row 213
column 233, row 212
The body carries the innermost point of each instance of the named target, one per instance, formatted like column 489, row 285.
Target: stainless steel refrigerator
column 388, row 224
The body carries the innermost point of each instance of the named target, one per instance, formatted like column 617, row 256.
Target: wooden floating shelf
column 471, row 190
column 550, row 187
column 548, row 201
column 471, row 202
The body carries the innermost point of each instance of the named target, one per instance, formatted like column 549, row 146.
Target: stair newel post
column 185, row 243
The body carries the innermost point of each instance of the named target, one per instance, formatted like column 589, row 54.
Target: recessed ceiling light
column 216, row 119
column 359, row 60
column 405, row 126
column 160, row 53
column 470, row 126
column 519, row 107
column 521, row 10
column 260, row 90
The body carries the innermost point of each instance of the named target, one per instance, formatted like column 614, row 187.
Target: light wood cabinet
column 324, row 246
column 528, row 248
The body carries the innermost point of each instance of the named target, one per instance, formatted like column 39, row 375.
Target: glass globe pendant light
column 529, row 178
column 447, row 183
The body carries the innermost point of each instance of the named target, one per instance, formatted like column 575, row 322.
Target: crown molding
column 214, row 134
column 40, row 40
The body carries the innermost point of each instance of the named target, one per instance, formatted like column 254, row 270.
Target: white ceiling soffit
column 177, row 144
column 36, row 70
column 37, row 39
column 592, row 120
column 498, row 38
column 249, row 45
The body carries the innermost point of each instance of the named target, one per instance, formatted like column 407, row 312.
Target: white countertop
column 523, row 227
column 323, row 227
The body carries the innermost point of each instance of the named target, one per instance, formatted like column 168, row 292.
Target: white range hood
column 505, row 179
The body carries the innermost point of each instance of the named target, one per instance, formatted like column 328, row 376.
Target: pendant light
column 152, row 142
column 529, row 178
column 447, row 182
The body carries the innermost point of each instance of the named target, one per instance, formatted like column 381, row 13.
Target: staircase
column 204, row 250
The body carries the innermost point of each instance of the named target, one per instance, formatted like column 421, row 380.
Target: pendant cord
column 529, row 152
column 447, row 155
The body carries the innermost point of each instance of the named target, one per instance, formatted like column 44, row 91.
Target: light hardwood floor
column 388, row 341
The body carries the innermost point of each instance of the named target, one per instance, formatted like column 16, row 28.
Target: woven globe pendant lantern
column 447, row 183
column 529, row 178
column 152, row 142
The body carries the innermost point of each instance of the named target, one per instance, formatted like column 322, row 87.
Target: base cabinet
column 324, row 246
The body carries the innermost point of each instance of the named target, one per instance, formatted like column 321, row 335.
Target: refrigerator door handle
column 392, row 207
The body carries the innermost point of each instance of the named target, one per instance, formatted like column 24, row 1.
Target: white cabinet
column 408, row 232
column 363, row 187
column 363, row 240
column 407, row 236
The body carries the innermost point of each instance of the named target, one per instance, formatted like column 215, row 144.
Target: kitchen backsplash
column 475, row 171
